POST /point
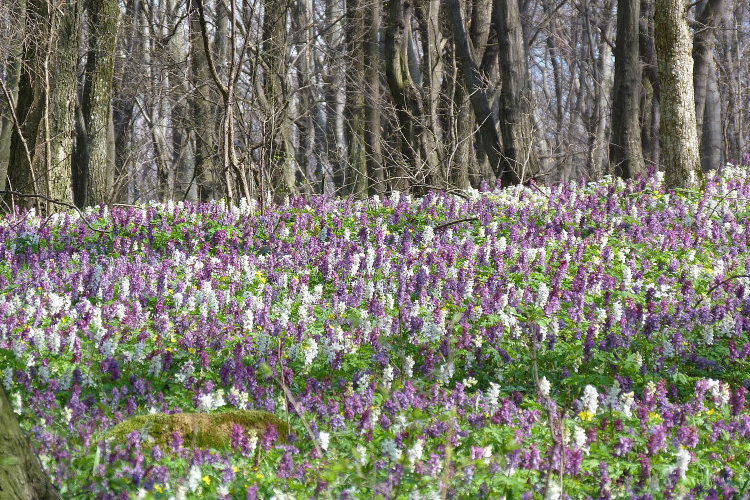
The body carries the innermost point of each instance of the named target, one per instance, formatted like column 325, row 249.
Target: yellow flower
column 191, row 350
column 585, row 416
column 654, row 415
column 710, row 412
column 158, row 488
column 259, row 476
column 206, row 479
column 235, row 469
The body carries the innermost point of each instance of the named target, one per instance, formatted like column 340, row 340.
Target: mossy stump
column 199, row 430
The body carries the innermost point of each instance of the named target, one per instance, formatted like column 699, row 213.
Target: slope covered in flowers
column 568, row 340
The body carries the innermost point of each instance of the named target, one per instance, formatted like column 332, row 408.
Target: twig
column 55, row 202
column 710, row 290
column 458, row 221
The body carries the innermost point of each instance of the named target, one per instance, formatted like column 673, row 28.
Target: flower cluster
column 399, row 337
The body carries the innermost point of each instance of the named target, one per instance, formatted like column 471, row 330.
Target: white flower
column 493, row 393
column 360, row 454
column 542, row 295
column 590, row 399
column 390, row 450
column 409, row 366
column 626, row 401
column 544, row 387
column 683, row 461
column 194, row 478
column 17, row 403
column 415, row 452
column 324, row 438
column 388, row 376
column 554, row 492
column 579, row 436
column 614, row 392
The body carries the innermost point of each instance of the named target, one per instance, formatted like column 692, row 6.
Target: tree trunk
column 712, row 138
column 279, row 124
column 479, row 99
column 710, row 12
column 515, row 92
column 21, row 474
column 306, row 152
column 400, row 84
column 183, row 152
column 355, row 98
column 373, row 137
column 598, row 159
column 335, row 96
column 97, row 96
column 679, row 136
column 12, row 71
column 650, row 107
column 204, row 93
column 123, row 97
column 40, row 160
column 428, row 14
column 625, row 152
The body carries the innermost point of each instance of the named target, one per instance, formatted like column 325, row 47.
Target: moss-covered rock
column 201, row 430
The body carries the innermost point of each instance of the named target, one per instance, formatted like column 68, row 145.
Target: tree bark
column 516, row 122
column 479, row 99
column 625, row 152
column 97, row 97
column 21, row 474
column 203, row 94
column 355, row 98
column 40, row 160
column 712, row 139
column 13, row 73
column 704, row 41
column 679, row 136
column 400, row 84
column 373, row 136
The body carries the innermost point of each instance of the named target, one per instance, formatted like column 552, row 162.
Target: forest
column 138, row 100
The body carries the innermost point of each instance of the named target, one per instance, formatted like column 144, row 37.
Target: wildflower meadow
column 536, row 342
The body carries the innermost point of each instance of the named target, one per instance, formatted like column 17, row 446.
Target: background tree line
column 124, row 101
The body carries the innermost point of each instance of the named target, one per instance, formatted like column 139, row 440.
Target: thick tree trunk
column 625, row 152
column 712, row 156
column 650, row 107
column 679, row 136
column 21, row 474
column 516, row 122
column 428, row 15
column 306, row 152
column 204, row 93
column 335, row 96
column 400, row 84
column 710, row 12
column 479, row 99
column 97, row 97
column 598, row 158
column 123, row 88
column 40, row 160
column 355, row 98
column 12, row 72
column 373, row 136
column 183, row 152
